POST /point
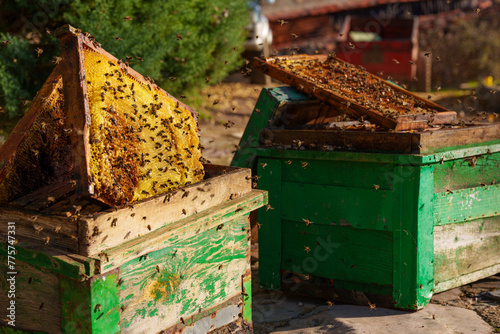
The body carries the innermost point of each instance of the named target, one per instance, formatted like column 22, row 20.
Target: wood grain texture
column 348, row 174
column 338, row 206
column 77, row 109
column 158, row 239
column 466, row 204
column 270, row 232
column 30, row 226
column 402, row 122
column 467, row 173
column 111, row 228
column 337, row 252
column 38, row 302
column 413, row 251
column 197, row 267
column 462, row 249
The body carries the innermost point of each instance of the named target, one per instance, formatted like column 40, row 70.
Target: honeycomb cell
column 142, row 141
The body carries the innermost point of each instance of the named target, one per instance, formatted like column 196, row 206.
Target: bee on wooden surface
column 228, row 124
column 294, row 35
column 282, row 22
column 307, row 221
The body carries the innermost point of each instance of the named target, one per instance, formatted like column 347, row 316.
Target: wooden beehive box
column 381, row 217
column 170, row 253
column 178, row 261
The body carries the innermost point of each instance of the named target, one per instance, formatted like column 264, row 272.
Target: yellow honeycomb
column 44, row 155
column 142, row 141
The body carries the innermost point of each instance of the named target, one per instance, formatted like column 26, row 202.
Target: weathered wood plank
column 270, row 249
column 465, row 248
column 158, row 239
column 467, row 278
column 467, row 173
column 354, row 108
column 45, row 229
column 335, row 139
column 105, row 308
column 466, row 204
column 111, row 228
column 352, row 174
column 197, row 268
column 413, row 240
column 48, row 258
column 37, row 296
column 330, row 205
column 76, row 106
column 337, row 252
column 446, row 139
column 18, row 134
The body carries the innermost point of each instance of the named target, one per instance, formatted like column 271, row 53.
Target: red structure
column 390, row 48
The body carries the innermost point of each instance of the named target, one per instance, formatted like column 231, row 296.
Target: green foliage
column 16, row 59
column 467, row 49
column 181, row 42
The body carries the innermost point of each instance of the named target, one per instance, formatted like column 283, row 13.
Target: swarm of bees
column 142, row 141
column 44, row 153
column 354, row 85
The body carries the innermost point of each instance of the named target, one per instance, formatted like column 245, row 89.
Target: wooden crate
column 372, row 217
column 178, row 262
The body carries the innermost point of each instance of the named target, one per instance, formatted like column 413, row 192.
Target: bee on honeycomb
column 142, row 141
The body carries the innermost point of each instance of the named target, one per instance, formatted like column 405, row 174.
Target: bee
column 139, row 58
column 269, row 207
column 293, row 35
column 183, row 96
column 127, row 18
column 207, row 79
column 375, row 187
column 172, row 78
column 6, row 42
column 329, row 303
column 178, row 36
column 307, row 221
column 304, row 164
column 228, row 124
column 395, row 61
column 282, row 22
column 307, row 249
column 117, row 38
column 184, row 212
column 372, row 306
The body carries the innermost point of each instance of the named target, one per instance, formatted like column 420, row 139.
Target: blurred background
column 447, row 50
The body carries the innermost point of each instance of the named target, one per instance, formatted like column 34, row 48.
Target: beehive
column 355, row 91
column 38, row 151
column 142, row 142
column 120, row 137
column 362, row 216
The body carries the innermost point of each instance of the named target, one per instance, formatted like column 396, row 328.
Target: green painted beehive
column 369, row 216
column 178, row 262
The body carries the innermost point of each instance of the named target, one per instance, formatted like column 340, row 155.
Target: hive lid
column 126, row 138
column 355, row 91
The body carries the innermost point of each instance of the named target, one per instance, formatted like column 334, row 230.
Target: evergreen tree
column 179, row 43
